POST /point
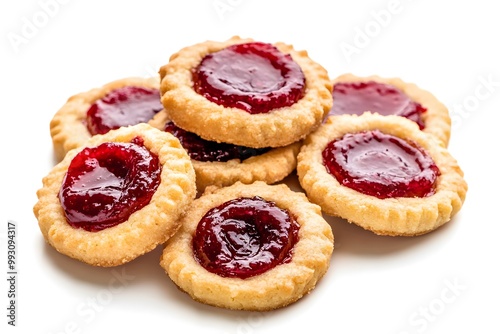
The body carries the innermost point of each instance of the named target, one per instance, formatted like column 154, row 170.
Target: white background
column 446, row 281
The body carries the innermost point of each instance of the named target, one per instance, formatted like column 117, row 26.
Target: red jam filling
column 129, row 105
column 381, row 165
column 204, row 150
column 245, row 237
column 255, row 77
column 358, row 97
column 105, row 184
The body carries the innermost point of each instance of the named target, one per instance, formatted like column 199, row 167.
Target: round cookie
column 212, row 121
column 436, row 119
column 68, row 126
column 406, row 216
column 145, row 228
column 271, row 166
column 274, row 288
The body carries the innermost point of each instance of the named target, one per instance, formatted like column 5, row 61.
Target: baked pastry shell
column 436, row 119
column 68, row 128
column 391, row 216
column 145, row 229
column 279, row 127
column 270, row 167
column 277, row 287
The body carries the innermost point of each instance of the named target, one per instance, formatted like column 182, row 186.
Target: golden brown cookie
column 144, row 228
column 435, row 119
column 240, row 283
column 277, row 127
column 270, row 166
column 68, row 127
column 399, row 215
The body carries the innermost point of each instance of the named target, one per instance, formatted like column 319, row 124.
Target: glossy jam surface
column 381, row 165
column 255, row 77
column 129, row 105
column 358, row 97
column 245, row 237
column 204, row 150
column 105, row 184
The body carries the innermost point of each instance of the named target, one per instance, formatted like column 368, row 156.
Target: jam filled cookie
column 391, row 96
column 381, row 173
column 117, row 197
column 245, row 92
column 119, row 103
column 221, row 164
column 249, row 247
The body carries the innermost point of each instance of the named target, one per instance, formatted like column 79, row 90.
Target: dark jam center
column 129, row 105
column 381, row 165
column 358, row 97
column 105, row 184
column 245, row 237
column 255, row 77
column 204, row 150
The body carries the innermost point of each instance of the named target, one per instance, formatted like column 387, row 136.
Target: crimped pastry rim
column 281, row 127
column 145, row 228
column 67, row 126
column 437, row 118
column 394, row 216
column 270, row 167
column 278, row 287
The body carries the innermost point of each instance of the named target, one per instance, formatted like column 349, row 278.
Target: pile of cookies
column 194, row 159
